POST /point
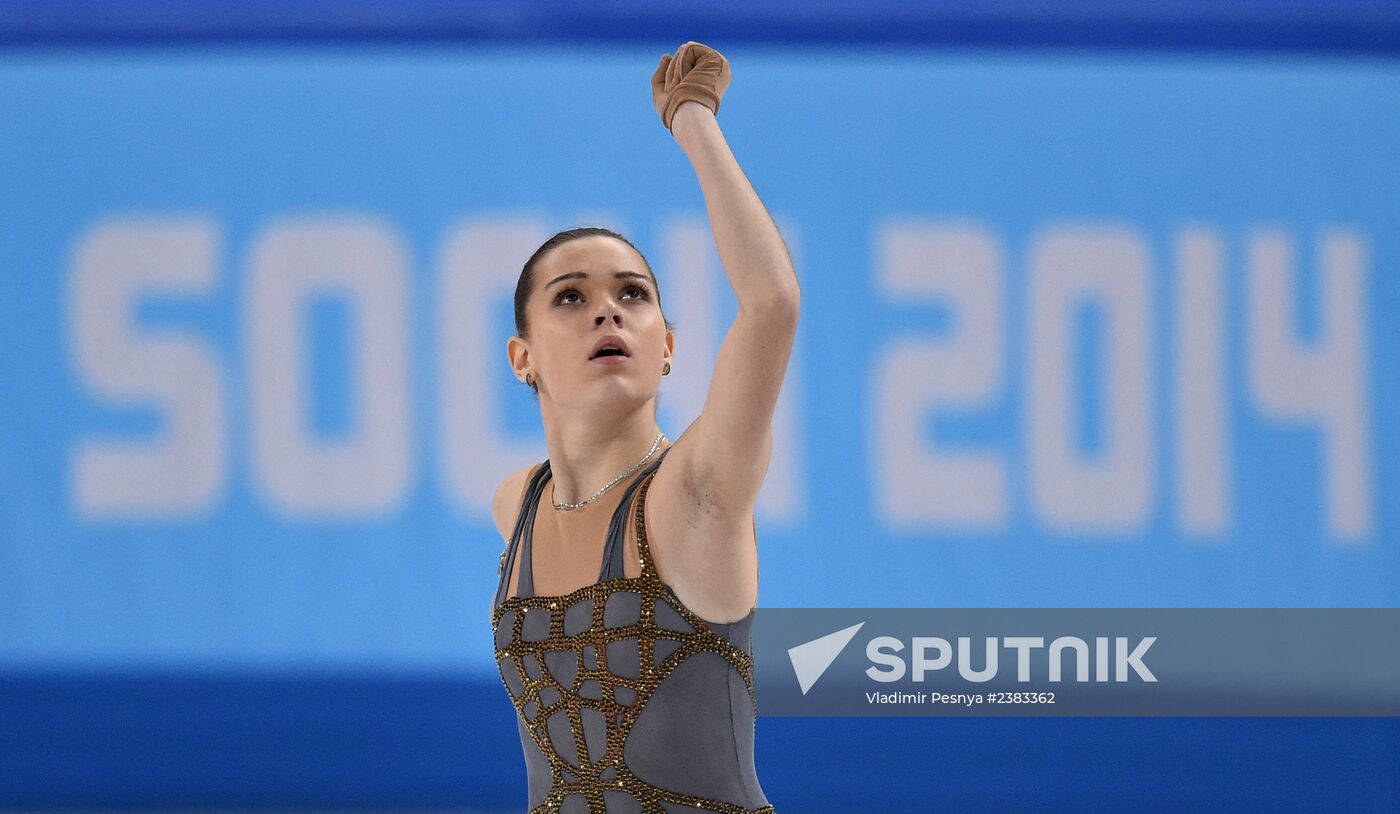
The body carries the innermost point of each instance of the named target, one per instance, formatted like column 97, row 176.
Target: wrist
column 690, row 119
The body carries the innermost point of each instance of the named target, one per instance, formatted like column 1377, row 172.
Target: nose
column 608, row 311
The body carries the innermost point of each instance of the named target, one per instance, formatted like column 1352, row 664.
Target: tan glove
column 698, row 73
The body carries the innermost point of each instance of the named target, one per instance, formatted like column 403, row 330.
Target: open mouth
column 610, row 349
column 608, row 358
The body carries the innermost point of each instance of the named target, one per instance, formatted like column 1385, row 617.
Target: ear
column 518, row 356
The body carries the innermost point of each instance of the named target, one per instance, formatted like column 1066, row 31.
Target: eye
column 641, row 291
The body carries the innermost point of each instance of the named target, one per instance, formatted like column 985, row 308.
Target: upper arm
column 730, row 444
column 506, row 505
column 710, row 555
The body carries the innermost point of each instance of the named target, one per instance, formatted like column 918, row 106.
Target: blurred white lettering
column 362, row 261
column 1107, row 268
column 1323, row 382
column 919, row 483
column 180, row 472
column 478, row 266
column 1203, row 460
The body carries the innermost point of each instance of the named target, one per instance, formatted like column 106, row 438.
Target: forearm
column 750, row 247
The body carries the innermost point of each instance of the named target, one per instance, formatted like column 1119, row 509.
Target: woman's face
column 579, row 299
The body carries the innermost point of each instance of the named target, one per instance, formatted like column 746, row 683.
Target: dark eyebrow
column 584, row 275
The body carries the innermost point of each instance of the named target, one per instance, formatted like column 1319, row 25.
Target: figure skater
column 623, row 612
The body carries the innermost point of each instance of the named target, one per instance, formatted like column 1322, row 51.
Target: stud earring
column 666, row 371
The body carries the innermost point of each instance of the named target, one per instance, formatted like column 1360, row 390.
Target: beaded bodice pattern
column 581, row 669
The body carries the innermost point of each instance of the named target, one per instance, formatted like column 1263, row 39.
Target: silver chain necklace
column 614, row 481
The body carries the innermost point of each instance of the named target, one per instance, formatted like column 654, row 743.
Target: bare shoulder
column 505, row 506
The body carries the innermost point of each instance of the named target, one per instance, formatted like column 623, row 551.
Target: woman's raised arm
column 725, row 453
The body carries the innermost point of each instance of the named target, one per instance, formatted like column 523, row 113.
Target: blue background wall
column 1108, row 321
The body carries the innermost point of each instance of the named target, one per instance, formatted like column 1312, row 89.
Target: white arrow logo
column 810, row 660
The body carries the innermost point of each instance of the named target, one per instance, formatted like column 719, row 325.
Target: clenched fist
column 697, row 73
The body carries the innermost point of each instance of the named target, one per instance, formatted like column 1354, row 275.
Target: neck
column 585, row 453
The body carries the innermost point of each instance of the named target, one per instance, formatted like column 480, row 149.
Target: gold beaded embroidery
column 591, row 782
